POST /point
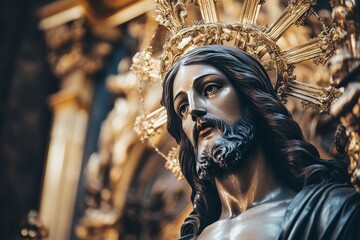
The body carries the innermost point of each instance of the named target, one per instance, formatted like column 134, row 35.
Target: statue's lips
column 204, row 132
column 204, row 129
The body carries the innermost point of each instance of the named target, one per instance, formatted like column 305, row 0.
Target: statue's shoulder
column 329, row 194
column 326, row 211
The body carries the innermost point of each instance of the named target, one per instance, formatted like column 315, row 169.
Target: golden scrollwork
column 345, row 67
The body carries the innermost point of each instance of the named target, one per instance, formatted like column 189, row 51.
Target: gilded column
column 75, row 52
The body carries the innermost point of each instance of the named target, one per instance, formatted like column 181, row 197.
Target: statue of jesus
column 252, row 173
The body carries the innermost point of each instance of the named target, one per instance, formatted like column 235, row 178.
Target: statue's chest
column 261, row 222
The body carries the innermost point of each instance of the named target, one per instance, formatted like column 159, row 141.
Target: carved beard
column 228, row 151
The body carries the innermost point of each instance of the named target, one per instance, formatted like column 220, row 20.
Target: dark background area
column 25, row 84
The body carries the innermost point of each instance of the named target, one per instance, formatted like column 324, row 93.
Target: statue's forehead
column 188, row 74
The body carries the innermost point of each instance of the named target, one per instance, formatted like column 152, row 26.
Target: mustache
column 209, row 121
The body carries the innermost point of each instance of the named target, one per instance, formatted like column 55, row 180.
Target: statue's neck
column 252, row 184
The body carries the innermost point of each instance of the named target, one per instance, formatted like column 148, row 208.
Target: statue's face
column 200, row 90
column 210, row 109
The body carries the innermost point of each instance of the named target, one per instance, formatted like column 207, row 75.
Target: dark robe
column 325, row 211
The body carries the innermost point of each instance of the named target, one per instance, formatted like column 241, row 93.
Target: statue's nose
column 197, row 112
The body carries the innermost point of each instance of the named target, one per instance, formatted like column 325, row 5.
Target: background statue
column 245, row 158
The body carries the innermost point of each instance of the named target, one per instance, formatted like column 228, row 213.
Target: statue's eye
column 211, row 89
column 183, row 109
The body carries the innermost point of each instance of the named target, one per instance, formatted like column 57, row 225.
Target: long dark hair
column 294, row 161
